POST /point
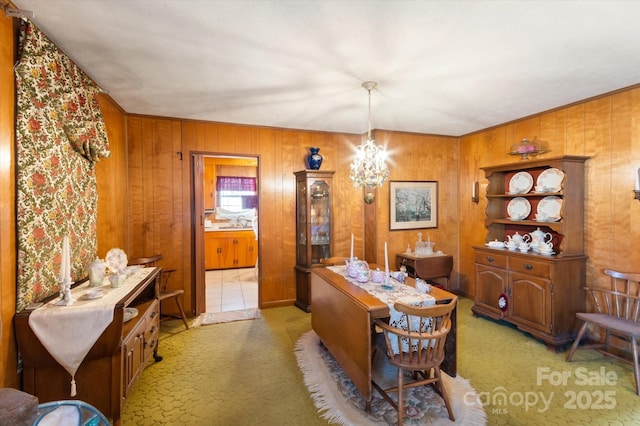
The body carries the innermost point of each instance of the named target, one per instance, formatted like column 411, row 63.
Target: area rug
column 220, row 317
column 339, row 401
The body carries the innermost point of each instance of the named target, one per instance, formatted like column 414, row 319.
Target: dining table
column 342, row 316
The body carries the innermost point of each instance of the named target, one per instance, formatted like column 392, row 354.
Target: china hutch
column 538, row 293
column 314, row 228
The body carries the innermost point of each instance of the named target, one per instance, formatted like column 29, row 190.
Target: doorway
column 225, row 206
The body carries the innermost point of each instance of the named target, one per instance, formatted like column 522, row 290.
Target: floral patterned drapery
column 60, row 133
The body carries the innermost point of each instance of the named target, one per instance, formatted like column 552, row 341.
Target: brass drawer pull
column 490, row 258
column 528, row 267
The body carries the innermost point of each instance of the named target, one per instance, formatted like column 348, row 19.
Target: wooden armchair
column 617, row 314
column 418, row 349
column 165, row 293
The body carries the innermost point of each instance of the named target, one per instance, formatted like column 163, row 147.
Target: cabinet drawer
column 530, row 267
column 491, row 259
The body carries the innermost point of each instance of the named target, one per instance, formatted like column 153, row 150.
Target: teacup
column 377, row 276
column 363, row 276
column 422, row 286
column 116, row 280
column 524, row 247
column 511, row 245
column 545, row 247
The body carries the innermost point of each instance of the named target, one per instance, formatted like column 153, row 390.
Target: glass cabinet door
column 301, row 225
column 320, row 217
column 314, row 228
column 314, row 231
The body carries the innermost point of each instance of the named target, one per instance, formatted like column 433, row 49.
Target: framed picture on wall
column 413, row 205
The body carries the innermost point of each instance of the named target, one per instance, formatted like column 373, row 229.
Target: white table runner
column 69, row 332
column 400, row 293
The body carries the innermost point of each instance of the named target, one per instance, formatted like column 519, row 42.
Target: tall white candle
column 638, row 179
column 473, row 190
column 65, row 261
column 386, row 260
column 351, row 258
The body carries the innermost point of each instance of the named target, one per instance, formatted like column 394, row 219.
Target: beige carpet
column 221, row 317
column 338, row 401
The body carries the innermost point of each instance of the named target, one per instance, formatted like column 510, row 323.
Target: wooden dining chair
column 617, row 314
column 334, row 261
column 417, row 347
column 164, row 292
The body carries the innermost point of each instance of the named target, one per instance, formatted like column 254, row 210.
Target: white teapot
column 539, row 237
column 517, row 238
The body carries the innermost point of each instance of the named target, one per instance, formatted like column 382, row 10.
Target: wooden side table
column 427, row 267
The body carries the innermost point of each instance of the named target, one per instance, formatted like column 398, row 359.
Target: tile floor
column 231, row 290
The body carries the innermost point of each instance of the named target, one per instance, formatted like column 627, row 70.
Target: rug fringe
column 335, row 409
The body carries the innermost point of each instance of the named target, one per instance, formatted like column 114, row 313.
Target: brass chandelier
column 369, row 168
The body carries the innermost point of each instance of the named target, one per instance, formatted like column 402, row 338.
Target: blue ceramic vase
column 314, row 160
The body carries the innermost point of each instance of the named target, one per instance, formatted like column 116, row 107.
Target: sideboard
column 106, row 376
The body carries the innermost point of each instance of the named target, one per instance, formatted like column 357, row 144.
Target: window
column 236, row 193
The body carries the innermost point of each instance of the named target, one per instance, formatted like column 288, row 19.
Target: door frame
column 197, row 225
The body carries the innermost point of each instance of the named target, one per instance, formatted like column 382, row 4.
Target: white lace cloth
column 69, row 332
column 400, row 293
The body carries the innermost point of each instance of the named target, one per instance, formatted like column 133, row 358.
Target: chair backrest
column 622, row 299
column 425, row 336
column 146, row 261
column 332, row 261
column 71, row 412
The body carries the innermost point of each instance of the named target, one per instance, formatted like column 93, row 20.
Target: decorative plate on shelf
column 551, row 180
column 518, row 208
column 116, row 260
column 550, row 207
column 520, row 183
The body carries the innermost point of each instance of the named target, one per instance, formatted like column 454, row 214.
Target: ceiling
column 442, row 67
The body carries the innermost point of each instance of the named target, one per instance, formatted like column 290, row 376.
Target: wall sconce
column 637, row 190
column 475, row 187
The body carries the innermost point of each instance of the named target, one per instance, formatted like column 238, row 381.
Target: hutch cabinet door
column 490, row 284
column 530, row 301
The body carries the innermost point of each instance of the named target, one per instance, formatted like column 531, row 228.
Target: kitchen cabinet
column 230, row 249
column 538, row 293
column 314, row 228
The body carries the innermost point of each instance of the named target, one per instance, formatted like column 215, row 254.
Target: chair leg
column 184, row 317
column 577, row 341
column 636, row 368
column 400, row 399
column 443, row 393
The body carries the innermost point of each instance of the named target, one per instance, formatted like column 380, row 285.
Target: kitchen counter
column 227, row 229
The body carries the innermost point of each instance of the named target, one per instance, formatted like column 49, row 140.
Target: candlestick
column 351, row 258
column 386, row 262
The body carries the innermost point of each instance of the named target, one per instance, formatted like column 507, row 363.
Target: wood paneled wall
column 608, row 130
column 8, row 354
column 281, row 152
column 416, row 157
column 111, row 177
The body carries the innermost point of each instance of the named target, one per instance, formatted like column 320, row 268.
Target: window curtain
column 235, row 183
column 60, row 134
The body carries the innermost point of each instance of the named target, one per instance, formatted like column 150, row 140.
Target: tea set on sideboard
column 537, row 241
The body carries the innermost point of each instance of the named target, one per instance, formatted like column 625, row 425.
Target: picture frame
column 413, row 205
